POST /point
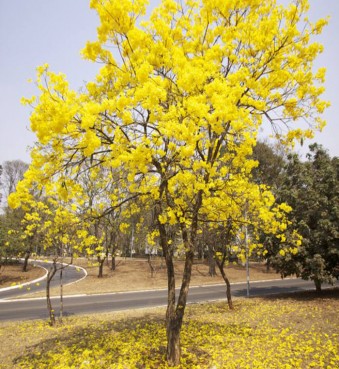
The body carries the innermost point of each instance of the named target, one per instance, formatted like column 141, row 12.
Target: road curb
column 78, row 280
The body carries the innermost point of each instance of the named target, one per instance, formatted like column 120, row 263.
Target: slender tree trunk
column 211, row 263
column 107, row 257
column 173, row 323
column 176, row 315
column 200, row 250
column 61, row 294
column 27, row 255
column 50, row 275
column 228, row 284
column 173, row 342
column 113, row 264
column 151, row 266
column 268, row 265
column 113, row 249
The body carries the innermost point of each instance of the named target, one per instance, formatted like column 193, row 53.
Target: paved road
column 82, row 304
column 70, row 274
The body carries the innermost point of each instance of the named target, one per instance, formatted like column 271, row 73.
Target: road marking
column 40, row 298
column 256, row 281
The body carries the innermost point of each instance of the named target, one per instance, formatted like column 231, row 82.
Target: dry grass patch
column 292, row 331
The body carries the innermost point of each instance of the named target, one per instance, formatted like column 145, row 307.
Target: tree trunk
column 50, row 275
column 174, row 321
column 113, row 249
column 175, row 314
column 173, row 350
column 173, row 341
column 228, row 284
column 268, row 265
column 61, row 294
column 27, row 255
column 113, row 265
column 151, row 266
column 317, row 285
column 211, row 263
column 101, row 267
column 200, row 250
column 107, row 257
column 173, row 337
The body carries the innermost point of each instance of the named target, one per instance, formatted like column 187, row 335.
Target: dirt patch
column 12, row 274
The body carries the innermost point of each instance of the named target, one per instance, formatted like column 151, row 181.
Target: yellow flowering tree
column 174, row 113
column 57, row 228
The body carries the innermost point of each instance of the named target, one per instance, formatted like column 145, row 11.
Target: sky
column 34, row 32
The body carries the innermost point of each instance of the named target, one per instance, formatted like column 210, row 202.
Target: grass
column 291, row 331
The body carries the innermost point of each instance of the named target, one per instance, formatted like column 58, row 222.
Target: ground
column 299, row 330
column 280, row 332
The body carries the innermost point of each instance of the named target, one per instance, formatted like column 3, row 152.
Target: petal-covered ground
column 300, row 331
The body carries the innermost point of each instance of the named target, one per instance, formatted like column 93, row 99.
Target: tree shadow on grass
column 4, row 279
column 76, row 340
column 135, row 342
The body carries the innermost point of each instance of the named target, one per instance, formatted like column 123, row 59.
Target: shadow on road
column 328, row 293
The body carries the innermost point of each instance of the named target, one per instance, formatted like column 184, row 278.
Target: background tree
column 1, row 195
column 12, row 172
column 271, row 171
column 312, row 189
column 271, row 160
column 11, row 245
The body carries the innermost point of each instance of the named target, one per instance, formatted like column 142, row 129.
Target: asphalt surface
column 84, row 304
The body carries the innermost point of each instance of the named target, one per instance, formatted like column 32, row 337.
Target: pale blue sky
column 33, row 32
